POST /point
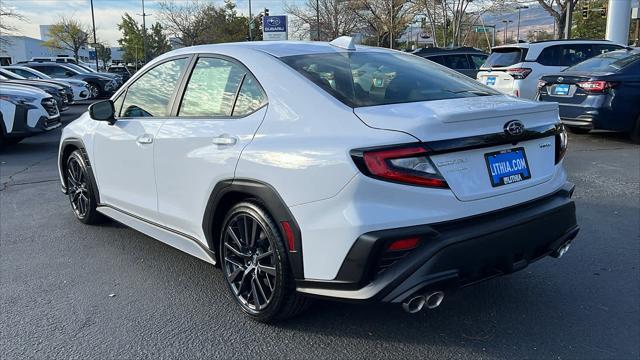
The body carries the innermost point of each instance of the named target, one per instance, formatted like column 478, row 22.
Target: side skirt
column 178, row 240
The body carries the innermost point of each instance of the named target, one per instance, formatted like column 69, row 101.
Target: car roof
column 276, row 48
column 447, row 51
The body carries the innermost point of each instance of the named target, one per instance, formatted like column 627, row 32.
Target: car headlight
column 18, row 100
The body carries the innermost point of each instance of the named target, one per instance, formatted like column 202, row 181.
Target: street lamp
column 518, row 32
column 506, row 29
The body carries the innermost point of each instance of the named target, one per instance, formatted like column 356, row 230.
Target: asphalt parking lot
column 73, row 291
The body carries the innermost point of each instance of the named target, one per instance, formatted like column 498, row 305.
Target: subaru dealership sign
column 274, row 28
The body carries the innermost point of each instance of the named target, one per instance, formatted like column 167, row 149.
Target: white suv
column 514, row 69
column 324, row 169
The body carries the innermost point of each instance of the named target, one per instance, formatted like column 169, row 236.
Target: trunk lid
column 467, row 172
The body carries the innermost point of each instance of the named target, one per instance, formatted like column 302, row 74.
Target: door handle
column 145, row 139
column 224, row 139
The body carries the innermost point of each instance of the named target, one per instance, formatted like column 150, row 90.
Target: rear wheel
column 255, row 265
column 80, row 190
column 578, row 130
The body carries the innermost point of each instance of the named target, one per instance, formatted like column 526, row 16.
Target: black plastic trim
column 75, row 142
column 274, row 204
column 356, row 280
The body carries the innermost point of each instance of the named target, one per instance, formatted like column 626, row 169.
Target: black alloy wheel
column 255, row 265
column 79, row 189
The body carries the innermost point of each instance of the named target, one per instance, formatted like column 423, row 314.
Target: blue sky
column 108, row 13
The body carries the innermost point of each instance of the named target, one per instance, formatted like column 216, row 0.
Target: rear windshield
column 375, row 78
column 504, row 57
column 608, row 62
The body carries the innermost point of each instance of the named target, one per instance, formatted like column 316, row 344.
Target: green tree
column 157, row 41
column 68, row 34
column 594, row 27
column 131, row 40
column 103, row 52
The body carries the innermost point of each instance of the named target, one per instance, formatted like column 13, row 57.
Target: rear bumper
column 596, row 113
column 453, row 254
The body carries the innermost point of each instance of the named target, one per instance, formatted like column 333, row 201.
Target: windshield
column 76, row 67
column 503, row 57
column 608, row 62
column 11, row 75
column 39, row 74
column 376, row 78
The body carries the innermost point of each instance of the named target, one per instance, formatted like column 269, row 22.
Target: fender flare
column 76, row 143
column 226, row 191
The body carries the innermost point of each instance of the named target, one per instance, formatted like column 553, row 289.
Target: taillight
column 519, row 73
column 404, row 244
column 407, row 165
column 595, row 86
column 561, row 143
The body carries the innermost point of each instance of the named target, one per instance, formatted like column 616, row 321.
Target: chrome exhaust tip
column 434, row 299
column 561, row 250
column 414, row 304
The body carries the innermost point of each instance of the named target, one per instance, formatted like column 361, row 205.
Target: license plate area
column 507, row 166
column 561, row 89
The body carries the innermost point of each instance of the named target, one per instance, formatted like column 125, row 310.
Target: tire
column 80, row 190
column 578, row 130
column 635, row 133
column 255, row 265
column 94, row 90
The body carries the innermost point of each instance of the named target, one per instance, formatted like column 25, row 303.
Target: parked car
column 98, row 85
column 325, row 169
column 466, row 60
column 80, row 88
column 61, row 93
column 120, row 70
column 85, row 69
column 514, row 69
column 62, row 60
column 25, row 111
column 600, row 93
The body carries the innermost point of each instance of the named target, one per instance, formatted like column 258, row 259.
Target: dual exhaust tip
column 417, row 302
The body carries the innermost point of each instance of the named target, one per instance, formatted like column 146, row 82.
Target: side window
column 21, row 72
column 549, row 56
column 212, row 88
column 601, row 49
column 436, row 59
column 457, row 61
column 478, row 60
column 573, row 54
column 150, row 95
column 250, row 97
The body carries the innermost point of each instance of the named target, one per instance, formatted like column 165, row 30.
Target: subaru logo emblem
column 560, row 79
column 514, row 127
column 274, row 21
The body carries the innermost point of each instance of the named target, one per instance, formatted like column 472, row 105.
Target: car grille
column 50, row 106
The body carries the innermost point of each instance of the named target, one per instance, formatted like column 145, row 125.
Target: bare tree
column 558, row 11
column 335, row 18
column 68, row 34
column 7, row 13
column 184, row 20
column 386, row 19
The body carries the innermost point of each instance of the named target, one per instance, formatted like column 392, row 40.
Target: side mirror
column 103, row 111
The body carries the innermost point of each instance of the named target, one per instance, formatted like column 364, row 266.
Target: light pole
column 506, row 29
column 144, row 33
column 518, row 31
column 95, row 40
column 318, row 19
column 250, row 21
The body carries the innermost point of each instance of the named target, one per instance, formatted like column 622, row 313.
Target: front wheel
column 94, row 90
column 80, row 190
column 255, row 265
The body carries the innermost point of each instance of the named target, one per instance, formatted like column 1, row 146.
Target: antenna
column 344, row 42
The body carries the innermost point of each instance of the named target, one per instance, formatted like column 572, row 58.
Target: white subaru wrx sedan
column 325, row 170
